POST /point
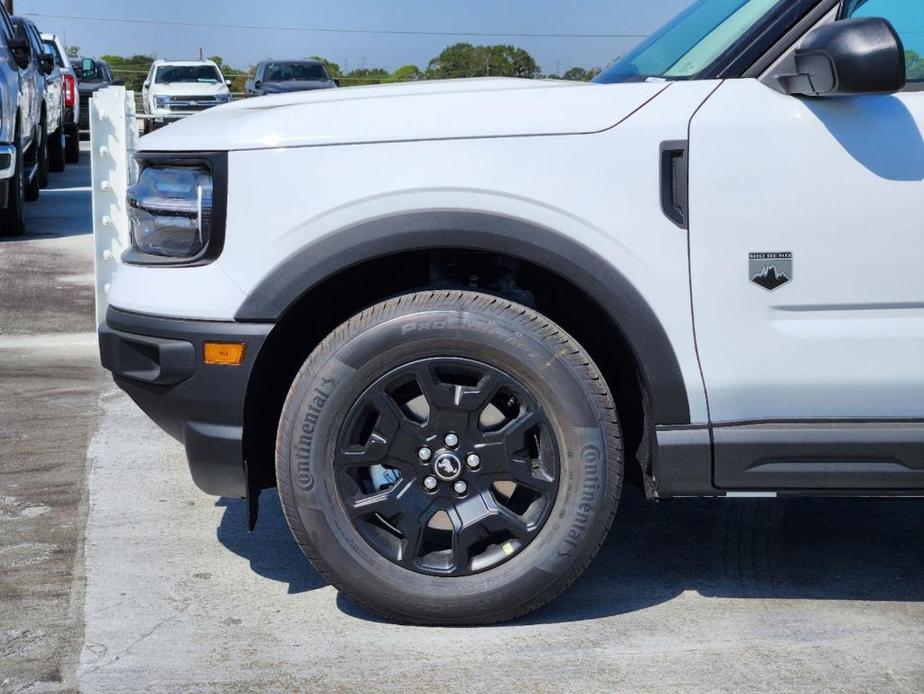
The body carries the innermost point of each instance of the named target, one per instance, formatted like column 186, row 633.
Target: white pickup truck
column 447, row 319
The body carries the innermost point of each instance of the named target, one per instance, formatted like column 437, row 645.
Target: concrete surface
column 49, row 388
column 712, row 595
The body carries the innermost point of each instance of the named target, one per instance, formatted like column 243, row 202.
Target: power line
column 329, row 30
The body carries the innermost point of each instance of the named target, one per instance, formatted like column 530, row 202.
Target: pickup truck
column 447, row 320
column 71, row 99
column 175, row 89
column 50, row 101
column 20, row 133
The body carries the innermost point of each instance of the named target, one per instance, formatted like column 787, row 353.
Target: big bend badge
column 770, row 270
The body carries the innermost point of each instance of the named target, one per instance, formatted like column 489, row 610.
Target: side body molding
column 541, row 246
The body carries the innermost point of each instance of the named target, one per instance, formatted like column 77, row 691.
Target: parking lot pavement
column 49, row 388
column 756, row 595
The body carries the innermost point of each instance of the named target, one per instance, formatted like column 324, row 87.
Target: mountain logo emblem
column 770, row 270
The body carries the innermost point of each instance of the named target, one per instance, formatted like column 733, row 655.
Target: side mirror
column 146, row 85
column 337, row 81
column 19, row 47
column 227, row 83
column 855, row 56
column 47, row 63
column 257, row 84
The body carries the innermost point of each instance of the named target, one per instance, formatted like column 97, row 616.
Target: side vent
column 674, row 187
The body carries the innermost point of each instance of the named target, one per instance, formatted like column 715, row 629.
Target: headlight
column 162, row 101
column 170, row 211
column 223, row 98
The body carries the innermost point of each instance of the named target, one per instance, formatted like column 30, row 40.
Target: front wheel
column 449, row 458
column 56, row 147
column 72, row 145
column 43, row 157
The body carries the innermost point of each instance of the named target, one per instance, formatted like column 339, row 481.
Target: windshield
column 207, row 74
column 301, row 72
column 51, row 47
column 690, row 43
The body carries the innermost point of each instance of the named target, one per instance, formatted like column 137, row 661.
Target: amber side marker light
column 224, row 353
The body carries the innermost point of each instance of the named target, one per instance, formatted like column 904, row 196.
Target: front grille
column 191, row 104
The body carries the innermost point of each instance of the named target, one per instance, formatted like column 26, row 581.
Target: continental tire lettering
column 479, row 327
column 316, row 402
column 591, row 456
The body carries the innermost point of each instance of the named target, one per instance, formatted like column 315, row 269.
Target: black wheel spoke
column 400, row 463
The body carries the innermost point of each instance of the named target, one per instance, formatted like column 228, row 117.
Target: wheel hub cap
column 447, row 467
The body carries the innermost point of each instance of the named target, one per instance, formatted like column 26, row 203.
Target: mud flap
column 253, row 498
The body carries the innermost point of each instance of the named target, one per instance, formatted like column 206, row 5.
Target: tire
column 42, row 154
column 12, row 222
column 33, row 187
column 72, row 146
column 547, row 477
column 56, row 147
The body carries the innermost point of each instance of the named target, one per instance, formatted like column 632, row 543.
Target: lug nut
column 451, row 440
column 472, row 460
column 430, row 483
column 424, row 453
column 460, row 487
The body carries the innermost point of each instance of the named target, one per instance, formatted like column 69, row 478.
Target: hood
column 427, row 110
column 295, row 86
column 189, row 88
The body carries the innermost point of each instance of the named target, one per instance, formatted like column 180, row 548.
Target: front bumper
column 158, row 362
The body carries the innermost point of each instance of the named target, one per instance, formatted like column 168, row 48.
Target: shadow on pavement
column 796, row 549
column 63, row 208
column 270, row 548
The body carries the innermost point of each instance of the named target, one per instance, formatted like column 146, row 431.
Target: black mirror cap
column 850, row 57
column 47, row 63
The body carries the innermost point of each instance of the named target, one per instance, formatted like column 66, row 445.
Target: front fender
column 560, row 254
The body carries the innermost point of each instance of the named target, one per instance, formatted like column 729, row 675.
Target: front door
column 807, row 248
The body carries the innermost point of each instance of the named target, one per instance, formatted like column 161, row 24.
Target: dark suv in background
column 280, row 76
column 92, row 74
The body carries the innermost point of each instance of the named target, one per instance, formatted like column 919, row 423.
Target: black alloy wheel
column 447, row 466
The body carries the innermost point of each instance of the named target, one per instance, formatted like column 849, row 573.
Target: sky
column 244, row 47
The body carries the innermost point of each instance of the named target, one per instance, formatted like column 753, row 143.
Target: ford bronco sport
column 446, row 319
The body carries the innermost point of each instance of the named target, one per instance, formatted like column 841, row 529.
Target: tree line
column 456, row 61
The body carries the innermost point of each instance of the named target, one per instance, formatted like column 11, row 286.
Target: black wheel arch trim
column 551, row 250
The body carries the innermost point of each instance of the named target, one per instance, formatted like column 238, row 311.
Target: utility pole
column 200, row 48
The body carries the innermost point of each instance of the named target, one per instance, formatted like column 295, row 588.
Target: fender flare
column 592, row 274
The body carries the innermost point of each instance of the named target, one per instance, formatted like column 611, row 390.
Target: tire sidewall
column 318, row 405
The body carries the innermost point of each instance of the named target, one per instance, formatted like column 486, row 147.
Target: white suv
column 447, row 319
column 177, row 88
